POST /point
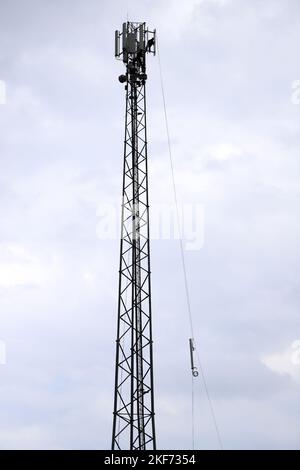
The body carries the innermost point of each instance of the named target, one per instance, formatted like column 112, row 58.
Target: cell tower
column 133, row 416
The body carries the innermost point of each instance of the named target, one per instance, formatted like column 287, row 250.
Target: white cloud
column 18, row 267
column 285, row 362
column 89, row 278
column 224, row 152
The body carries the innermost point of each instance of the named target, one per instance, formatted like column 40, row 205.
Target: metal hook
column 195, row 372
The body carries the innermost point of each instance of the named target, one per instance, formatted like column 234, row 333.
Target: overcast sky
column 229, row 68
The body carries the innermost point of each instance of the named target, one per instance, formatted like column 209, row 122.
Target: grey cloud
column 228, row 68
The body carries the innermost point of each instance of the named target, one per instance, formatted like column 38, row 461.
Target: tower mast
column 133, row 415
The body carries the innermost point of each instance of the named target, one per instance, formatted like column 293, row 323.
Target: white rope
column 186, row 285
column 193, row 415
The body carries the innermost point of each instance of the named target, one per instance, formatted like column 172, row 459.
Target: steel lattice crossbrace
column 133, row 423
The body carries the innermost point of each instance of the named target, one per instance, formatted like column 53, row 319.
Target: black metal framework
column 133, row 417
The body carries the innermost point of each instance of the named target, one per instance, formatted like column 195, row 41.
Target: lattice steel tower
column 133, row 417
